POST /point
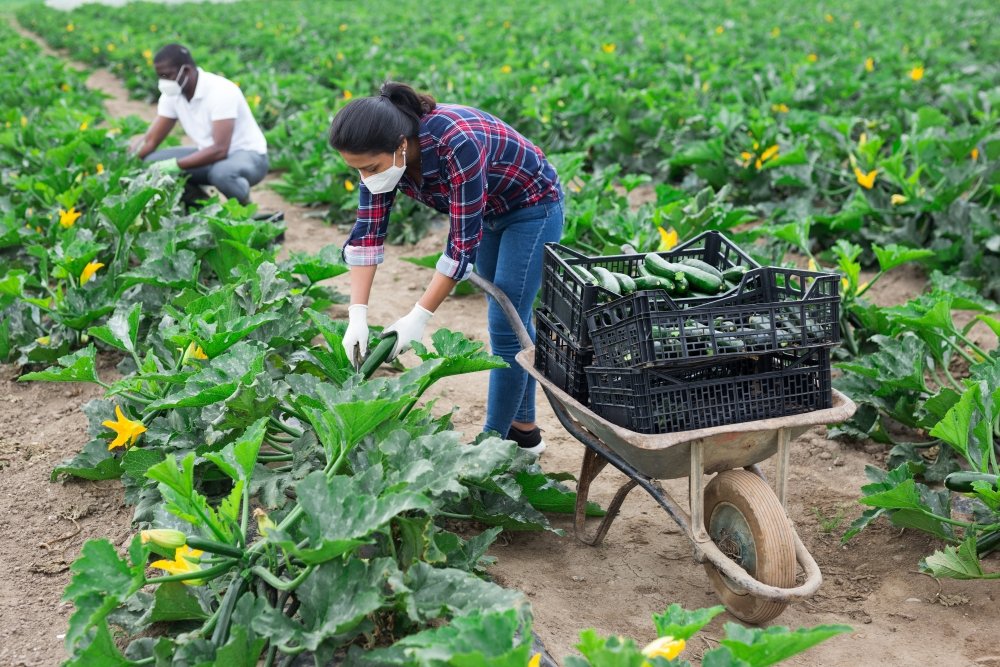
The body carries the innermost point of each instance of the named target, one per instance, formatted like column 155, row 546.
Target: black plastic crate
column 730, row 392
column 771, row 310
column 568, row 298
column 559, row 359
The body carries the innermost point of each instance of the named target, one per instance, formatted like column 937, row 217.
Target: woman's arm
column 439, row 289
column 362, row 278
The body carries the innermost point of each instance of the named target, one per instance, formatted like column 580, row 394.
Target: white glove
column 408, row 328
column 357, row 331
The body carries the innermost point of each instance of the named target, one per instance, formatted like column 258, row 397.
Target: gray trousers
column 232, row 176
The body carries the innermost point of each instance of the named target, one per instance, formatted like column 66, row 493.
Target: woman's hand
column 408, row 329
column 356, row 336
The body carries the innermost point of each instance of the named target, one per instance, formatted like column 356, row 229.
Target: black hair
column 174, row 54
column 378, row 124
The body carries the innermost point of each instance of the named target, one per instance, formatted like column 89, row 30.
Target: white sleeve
column 225, row 103
column 166, row 107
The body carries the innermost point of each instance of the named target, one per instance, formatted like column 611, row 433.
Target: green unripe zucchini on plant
column 378, row 355
column 962, row 481
column 606, row 280
column 697, row 278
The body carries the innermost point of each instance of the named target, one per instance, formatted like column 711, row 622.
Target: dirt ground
column 899, row 616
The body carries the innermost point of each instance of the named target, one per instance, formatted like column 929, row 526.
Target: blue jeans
column 510, row 256
column 232, row 175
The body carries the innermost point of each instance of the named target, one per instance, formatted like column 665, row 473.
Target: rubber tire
column 770, row 535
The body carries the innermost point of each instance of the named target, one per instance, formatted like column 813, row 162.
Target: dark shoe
column 530, row 441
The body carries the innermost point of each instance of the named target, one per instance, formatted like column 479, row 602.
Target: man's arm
column 222, row 135
column 157, row 132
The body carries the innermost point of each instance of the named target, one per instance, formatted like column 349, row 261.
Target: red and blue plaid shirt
column 473, row 166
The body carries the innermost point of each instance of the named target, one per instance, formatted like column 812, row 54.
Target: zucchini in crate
column 606, row 280
column 697, row 278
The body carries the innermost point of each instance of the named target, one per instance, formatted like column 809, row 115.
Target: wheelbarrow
column 736, row 522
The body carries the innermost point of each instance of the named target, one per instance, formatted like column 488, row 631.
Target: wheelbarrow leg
column 593, row 464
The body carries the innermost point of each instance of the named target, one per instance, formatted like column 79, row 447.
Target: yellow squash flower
column 24, row 121
column 844, row 283
column 348, row 94
column 779, row 108
column 869, row 64
column 812, row 57
column 812, row 266
column 343, row 27
column 719, row 30
column 769, row 153
column 193, row 351
column 127, row 431
column 857, row 25
column 264, row 522
column 111, row 47
column 917, row 73
column 100, row 168
column 506, row 69
column 608, row 48
column 89, row 271
column 828, row 18
column 974, row 154
column 668, row 239
column 68, row 218
column 70, row 27
column 65, row 86
column 180, row 564
column 867, row 181
column 535, row 661
column 896, row 200
column 775, row 31
column 83, row 126
column 165, row 538
column 44, row 340
column 664, row 647
column 348, row 185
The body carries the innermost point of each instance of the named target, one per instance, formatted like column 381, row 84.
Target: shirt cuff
column 355, row 255
column 454, row 269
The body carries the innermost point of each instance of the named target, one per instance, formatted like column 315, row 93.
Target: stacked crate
column 655, row 363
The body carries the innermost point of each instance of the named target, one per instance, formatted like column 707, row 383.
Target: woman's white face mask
column 171, row 87
column 386, row 180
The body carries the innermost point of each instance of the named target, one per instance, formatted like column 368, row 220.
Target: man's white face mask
column 171, row 87
column 385, row 181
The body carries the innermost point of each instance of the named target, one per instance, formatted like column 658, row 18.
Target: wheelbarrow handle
column 508, row 309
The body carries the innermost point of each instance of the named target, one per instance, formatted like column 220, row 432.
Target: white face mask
column 385, row 181
column 170, row 87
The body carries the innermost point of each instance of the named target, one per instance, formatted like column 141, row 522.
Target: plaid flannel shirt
column 473, row 166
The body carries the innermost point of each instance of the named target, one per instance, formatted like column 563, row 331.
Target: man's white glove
column 356, row 335
column 408, row 328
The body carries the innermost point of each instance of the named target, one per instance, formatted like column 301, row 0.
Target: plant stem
column 202, row 575
column 279, row 583
column 278, row 424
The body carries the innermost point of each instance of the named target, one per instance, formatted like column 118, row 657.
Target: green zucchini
column 703, row 266
column 962, row 481
column 585, row 275
column 695, row 277
column 735, row 273
column 988, row 542
column 625, row 282
column 681, row 286
column 378, row 355
column 606, row 280
column 654, row 282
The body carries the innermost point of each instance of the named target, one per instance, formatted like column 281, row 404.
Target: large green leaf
column 173, row 601
column 459, row 354
column 237, row 459
column 893, row 255
column 445, row 592
column 335, row 601
column 957, row 563
column 123, row 212
column 343, row 512
column 177, row 486
column 80, row 366
column 218, row 380
column 680, row 623
column 122, row 328
column 761, row 647
column 175, row 271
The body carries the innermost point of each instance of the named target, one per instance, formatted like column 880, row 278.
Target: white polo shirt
column 215, row 98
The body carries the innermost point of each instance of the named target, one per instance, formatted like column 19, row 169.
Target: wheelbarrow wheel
column 748, row 524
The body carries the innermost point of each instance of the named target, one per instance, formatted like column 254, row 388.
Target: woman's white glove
column 408, row 328
column 356, row 335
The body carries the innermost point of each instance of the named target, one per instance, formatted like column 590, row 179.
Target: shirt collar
column 201, row 87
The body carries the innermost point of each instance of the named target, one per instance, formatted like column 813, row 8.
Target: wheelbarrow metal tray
column 667, row 456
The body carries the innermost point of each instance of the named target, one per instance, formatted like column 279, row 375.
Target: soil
column 898, row 616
